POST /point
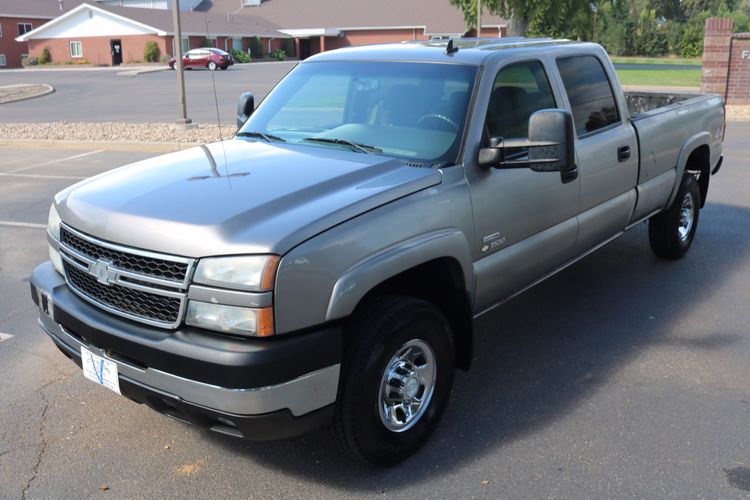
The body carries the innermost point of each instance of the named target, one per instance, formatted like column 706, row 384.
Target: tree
column 571, row 18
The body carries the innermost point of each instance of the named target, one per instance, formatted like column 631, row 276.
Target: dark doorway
column 304, row 48
column 116, row 51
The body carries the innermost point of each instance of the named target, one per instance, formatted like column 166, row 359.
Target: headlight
column 53, row 228
column 251, row 272
column 231, row 319
column 53, row 223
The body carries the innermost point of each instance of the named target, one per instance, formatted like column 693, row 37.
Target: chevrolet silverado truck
column 324, row 266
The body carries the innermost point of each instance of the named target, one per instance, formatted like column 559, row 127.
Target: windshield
column 408, row 110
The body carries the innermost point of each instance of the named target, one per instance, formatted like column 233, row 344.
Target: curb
column 48, row 91
column 136, row 72
column 142, row 147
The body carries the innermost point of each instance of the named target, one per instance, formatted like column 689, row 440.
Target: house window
column 24, row 28
column 185, row 44
column 2, row 59
column 1, row 30
column 75, row 49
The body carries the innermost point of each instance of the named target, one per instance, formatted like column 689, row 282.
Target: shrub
column 278, row 54
column 30, row 61
column 151, row 52
column 256, row 48
column 165, row 58
column 288, row 46
column 45, row 58
column 206, row 43
column 240, row 57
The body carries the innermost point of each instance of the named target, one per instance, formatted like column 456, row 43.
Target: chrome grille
column 136, row 284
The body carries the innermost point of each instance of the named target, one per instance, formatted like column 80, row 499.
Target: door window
column 589, row 92
column 519, row 90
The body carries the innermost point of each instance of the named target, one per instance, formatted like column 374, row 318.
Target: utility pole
column 479, row 18
column 183, row 119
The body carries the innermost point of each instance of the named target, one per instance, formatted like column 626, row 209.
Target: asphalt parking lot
column 102, row 94
column 623, row 376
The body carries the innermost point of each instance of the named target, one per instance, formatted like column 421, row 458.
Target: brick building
column 330, row 24
column 107, row 35
column 18, row 17
column 726, row 61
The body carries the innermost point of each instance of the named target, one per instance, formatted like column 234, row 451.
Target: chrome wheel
column 212, row 66
column 407, row 386
column 687, row 216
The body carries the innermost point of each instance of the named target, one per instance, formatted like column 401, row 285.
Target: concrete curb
column 136, row 72
column 49, row 89
column 142, row 147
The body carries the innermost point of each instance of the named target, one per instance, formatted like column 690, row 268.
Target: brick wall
column 8, row 45
column 96, row 50
column 726, row 61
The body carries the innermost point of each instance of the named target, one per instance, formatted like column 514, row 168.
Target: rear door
column 606, row 149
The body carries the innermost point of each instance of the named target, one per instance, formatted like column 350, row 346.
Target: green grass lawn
column 656, row 60
column 660, row 78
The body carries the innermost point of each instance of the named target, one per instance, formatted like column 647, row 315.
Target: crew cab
column 324, row 267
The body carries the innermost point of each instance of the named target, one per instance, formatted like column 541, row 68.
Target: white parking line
column 5, row 336
column 40, row 176
column 11, row 223
column 52, row 162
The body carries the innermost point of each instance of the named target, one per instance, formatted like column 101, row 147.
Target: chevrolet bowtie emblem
column 103, row 271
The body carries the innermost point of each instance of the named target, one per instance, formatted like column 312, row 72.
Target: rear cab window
column 589, row 91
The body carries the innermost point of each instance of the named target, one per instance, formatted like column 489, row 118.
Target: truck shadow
column 544, row 354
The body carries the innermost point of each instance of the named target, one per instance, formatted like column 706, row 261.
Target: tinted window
column 519, row 90
column 589, row 93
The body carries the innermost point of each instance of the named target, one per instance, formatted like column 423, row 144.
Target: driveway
column 623, row 376
column 99, row 96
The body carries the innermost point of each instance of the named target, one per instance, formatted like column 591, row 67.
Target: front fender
column 366, row 274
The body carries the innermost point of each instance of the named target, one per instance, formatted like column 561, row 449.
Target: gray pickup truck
column 325, row 266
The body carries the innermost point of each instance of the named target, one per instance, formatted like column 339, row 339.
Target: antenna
column 218, row 116
column 450, row 49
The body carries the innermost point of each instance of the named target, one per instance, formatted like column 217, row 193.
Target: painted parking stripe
column 52, row 162
column 10, row 223
column 5, row 336
column 40, row 176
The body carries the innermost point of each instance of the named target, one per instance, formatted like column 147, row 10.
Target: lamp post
column 183, row 119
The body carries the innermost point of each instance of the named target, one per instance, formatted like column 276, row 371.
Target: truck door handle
column 623, row 153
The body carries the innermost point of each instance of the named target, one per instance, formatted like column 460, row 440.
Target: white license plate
column 100, row 370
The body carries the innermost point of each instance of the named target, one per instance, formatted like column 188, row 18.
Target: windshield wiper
column 364, row 148
column 261, row 135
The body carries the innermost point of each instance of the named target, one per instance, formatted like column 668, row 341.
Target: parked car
column 376, row 203
column 205, row 57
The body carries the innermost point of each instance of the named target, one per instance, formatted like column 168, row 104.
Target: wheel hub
column 687, row 216
column 407, row 385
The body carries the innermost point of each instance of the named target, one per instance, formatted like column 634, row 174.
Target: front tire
column 395, row 381
column 671, row 232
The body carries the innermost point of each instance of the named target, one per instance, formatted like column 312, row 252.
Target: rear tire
column 395, row 381
column 671, row 232
column 211, row 65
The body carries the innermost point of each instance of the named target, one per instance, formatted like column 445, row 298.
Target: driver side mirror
column 551, row 146
column 245, row 108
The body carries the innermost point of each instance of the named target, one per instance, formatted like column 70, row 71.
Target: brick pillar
column 738, row 86
column 716, row 46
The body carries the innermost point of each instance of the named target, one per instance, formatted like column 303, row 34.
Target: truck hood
column 236, row 197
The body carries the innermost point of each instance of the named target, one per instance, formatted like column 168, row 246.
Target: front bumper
column 251, row 388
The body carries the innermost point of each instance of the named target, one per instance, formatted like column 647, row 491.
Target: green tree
column 256, row 48
column 151, row 52
column 572, row 18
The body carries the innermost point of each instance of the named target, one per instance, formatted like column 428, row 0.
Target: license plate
column 45, row 303
column 100, row 370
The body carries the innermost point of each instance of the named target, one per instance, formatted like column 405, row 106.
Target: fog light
column 231, row 319
column 54, row 256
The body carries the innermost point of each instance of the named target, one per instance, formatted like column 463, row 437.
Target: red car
column 205, row 57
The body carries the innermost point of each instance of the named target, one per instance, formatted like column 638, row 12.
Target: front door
column 116, row 50
column 525, row 221
column 304, row 48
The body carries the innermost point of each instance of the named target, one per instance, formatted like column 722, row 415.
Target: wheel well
column 440, row 282
column 699, row 164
